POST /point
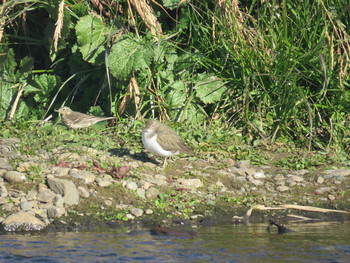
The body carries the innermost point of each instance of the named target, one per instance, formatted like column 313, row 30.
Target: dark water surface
column 317, row 242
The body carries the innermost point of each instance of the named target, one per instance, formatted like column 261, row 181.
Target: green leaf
column 7, row 63
column 42, row 86
column 92, row 35
column 6, row 96
column 209, row 89
column 171, row 4
column 127, row 56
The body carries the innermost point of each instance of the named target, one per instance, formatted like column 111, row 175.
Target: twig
column 14, row 106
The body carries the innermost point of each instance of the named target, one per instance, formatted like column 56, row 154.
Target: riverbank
column 65, row 182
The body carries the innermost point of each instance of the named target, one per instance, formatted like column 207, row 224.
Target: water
column 321, row 242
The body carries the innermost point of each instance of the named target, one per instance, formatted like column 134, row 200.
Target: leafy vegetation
column 276, row 70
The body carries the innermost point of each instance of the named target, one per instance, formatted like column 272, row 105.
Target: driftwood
column 297, row 207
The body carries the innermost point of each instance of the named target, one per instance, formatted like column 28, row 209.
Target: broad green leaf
column 209, row 89
column 127, row 56
column 171, row 4
column 42, row 86
column 92, row 35
column 6, row 96
column 7, row 63
column 176, row 95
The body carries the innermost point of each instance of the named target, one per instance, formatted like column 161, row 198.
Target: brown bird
column 162, row 140
column 75, row 120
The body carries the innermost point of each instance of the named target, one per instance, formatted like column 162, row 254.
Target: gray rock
column 282, row 188
column 46, row 196
column 86, row 176
column 25, row 205
column 337, row 172
column 4, row 200
column 55, row 212
column 83, row 192
column 141, row 192
column 5, row 164
column 279, row 177
column 295, row 178
column 60, row 171
column 156, row 182
column 3, row 190
column 193, row 183
column 243, row 164
column 259, row 175
column 325, row 189
column 104, row 183
column 31, row 195
column 320, row 180
column 108, row 202
column 131, row 185
column 152, row 193
column 66, row 189
column 14, row 177
column 23, row 221
column 58, row 200
column 136, row 211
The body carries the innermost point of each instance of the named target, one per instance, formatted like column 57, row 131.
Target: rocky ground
column 85, row 185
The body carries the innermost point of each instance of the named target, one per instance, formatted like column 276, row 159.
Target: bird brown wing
column 170, row 141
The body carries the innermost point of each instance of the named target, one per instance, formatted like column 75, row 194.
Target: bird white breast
column 153, row 146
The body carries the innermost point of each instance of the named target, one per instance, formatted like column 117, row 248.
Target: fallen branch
column 297, row 207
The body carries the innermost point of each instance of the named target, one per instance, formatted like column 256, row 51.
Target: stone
column 337, row 172
column 25, row 205
column 104, row 183
column 259, row 175
column 136, row 211
column 55, row 212
column 60, row 171
column 149, row 212
column 23, row 221
column 3, row 190
column 331, row 197
column 144, row 184
column 14, row 177
column 279, row 177
column 58, row 200
column 108, row 202
column 66, row 189
column 141, row 193
column 31, row 195
column 195, row 183
column 152, row 193
column 5, row 164
column 243, row 164
column 295, row 178
column 84, row 193
column 282, row 188
column 86, row 176
column 46, row 196
column 131, row 185
column 320, row 180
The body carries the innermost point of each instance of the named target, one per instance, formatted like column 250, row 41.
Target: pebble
column 60, row 171
column 295, row 178
column 141, row 193
column 259, row 175
column 149, row 212
column 3, row 190
column 46, row 196
column 282, row 188
column 108, row 202
column 14, row 177
column 131, row 185
column 320, row 180
column 152, row 193
column 83, row 192
column 195, row 183
column 86, row 176
column 104, row 183
column 243, row 164
column 136, row 211
column 331, row 197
